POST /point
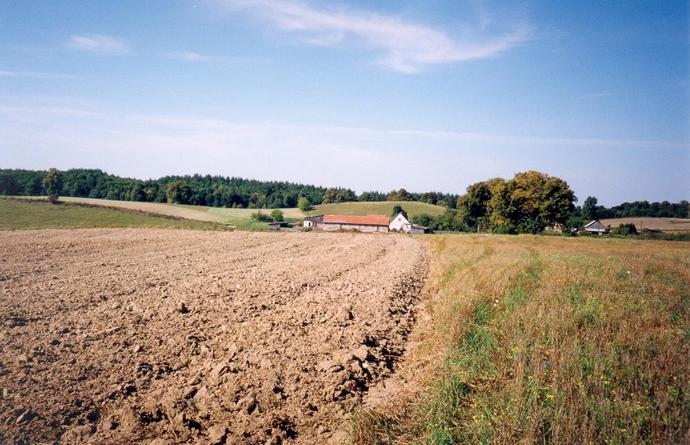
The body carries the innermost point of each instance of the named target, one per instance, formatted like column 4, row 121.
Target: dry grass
column 547, row 340
column 670, row 225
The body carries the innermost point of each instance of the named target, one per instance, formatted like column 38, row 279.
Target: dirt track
column 143, row 336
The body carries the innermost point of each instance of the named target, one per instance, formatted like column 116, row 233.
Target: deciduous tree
column 52, row 183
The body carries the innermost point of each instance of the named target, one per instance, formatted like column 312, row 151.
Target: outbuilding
column 311, row 222
column 278, row 225
column 361, row 223
column 420, row 230
column 595, row 227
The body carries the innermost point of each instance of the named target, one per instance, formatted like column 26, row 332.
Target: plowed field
column 154, row 336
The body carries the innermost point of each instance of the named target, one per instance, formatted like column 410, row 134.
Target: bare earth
column 146, row 336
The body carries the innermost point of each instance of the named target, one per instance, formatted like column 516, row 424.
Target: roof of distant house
column 364, row 220
column 595, row 225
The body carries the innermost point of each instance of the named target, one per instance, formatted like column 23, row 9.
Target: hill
column 669, row 225
column 240, row 218
column 377, row 208
column 16, row 214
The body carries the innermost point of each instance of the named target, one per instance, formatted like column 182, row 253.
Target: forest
column 205, row 190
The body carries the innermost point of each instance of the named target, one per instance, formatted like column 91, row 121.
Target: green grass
column 18, row 214
column 547, row 340
column 234, row 213
column 377, row 208
column 241, row 218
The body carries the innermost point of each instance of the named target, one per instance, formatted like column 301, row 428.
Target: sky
column 428, row 96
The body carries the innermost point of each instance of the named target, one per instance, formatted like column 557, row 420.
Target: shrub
column 303, row 204
column 277, row 215
column 625, row 229
column 258, row 216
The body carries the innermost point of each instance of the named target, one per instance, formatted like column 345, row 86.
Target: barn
column 595, row 227
column 363, row 223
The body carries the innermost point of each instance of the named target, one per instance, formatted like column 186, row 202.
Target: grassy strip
column 16, row 214
column 377, row 208
column 550, row 340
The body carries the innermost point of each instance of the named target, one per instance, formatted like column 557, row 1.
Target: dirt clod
column 217, row 434
column 182, row 308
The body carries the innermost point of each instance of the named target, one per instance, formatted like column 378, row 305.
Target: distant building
column 311, row 222
column 420, row 230
column 366, row 223
column 277, row 225
column 400, row 224
column 595, row 227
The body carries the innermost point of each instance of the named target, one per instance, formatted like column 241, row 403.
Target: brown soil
column 145, row 336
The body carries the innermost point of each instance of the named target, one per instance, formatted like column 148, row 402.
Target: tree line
column 591, row 210
column 207, row 190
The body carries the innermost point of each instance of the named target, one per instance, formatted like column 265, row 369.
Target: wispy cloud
column 406, row 47
column 190, row 56
column 53, row 111
column 35, row 75
column 358, row 157
column 98, row 44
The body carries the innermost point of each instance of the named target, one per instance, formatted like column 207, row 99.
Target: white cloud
column 98, row 44
column 190, row 56
column 405, row 46
column 35, row 75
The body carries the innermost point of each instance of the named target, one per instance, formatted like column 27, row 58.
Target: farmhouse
column 595, row 227
column 366, row 223
column 401, row 224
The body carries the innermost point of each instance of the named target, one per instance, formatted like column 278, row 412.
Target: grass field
column 241, row 218
column 546, row 340
column 377, row 208
column 18, row 214
column 669, row 225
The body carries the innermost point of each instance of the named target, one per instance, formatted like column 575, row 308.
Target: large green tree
column 474, row 206
column 52, row 183
column 530, row 202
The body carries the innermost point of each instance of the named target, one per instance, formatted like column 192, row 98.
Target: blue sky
column 431, row 95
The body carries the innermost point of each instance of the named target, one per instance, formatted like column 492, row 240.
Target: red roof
column 366, row 220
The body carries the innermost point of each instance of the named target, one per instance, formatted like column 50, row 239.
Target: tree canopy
column 53, row 183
